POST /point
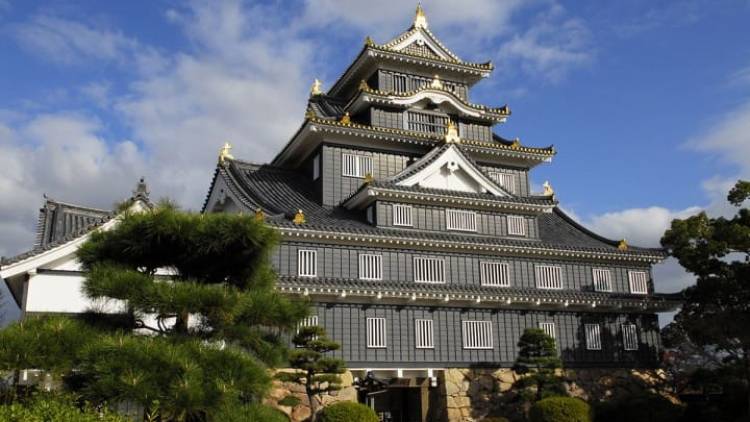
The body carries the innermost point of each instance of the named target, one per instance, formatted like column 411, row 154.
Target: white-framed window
column 461, row 220
column 310, row 321
column 354, row 165
column 638, row 282
column 307, row 263
column 549, row 277
column 370, row 266
column 516, row 225
column 423, row 334
column 402, row 215
column 316, row 167
column 477, row 334
column 506, row 180
column 399, row 83
column 376, row 334
column 602, row 279
column 429, row 270
column 548, row 328
column 629, row 337
column 494, row 274
column 593, row 337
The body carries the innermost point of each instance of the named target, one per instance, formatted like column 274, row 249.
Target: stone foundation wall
column 301, row 412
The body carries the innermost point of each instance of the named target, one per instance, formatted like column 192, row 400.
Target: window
column 477, row 334
column 495, row 274
column 593, row 337
column 423, row 334
column 548, row 328
column 402, row 215
column 307, row 263
column 370, row 266
column 548, row 277
column 516, row 225
column 316, row 167
column 425, row 122
column 638, row 282
column 310, row 321
column 429, row 270
column 461, row 220
column 629, row 336
column 371, row 214
column 399, row 83
column 376, row 333
column 356, row 165
column 506, row 180
column 602, row 280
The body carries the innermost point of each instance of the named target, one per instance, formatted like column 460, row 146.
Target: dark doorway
column 397, row 399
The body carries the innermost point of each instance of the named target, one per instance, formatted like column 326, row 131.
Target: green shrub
column 48, row 408
column 290, row 401
column 347, row 412
column 647, row 407
column 249, row 413
column 560, row 409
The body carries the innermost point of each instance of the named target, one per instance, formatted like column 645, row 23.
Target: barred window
column 376, row 333
column 423, row 334
column 506, row 180
column 461, row 220
column 310, row 321
column 356, row 165
column 495, row 274
column 593, row 337
column 477, row 334
column 399, row 83
column 638, row 282
column 629, row 336
column 516, row 225
column 426, row 122
column 548, row 277
column 316, row 167
column 548, row 328
column 402, row 215
column 602, row 280
column 307, row 263
column 429, row 270
column 370, row 266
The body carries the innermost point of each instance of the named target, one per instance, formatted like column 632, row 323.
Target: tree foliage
column 53, row 408
column 716, row 312
column 538, row 361
column 560, row 409
column 348, row 411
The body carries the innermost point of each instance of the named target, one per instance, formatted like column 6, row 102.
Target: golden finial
column 420, row 20
column 369, row 178
column 548, row 191
column 260, row 216
column 299, row 218
column 369, row 41
column 224, row 153
column 363, row 85
column 345, row 119
column 436, row 83
column 623, row 245
column 309, row 113
column 315, row 89
column 451, row 134
column 516, row 143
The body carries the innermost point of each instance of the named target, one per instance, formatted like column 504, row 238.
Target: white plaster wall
column 62, row 293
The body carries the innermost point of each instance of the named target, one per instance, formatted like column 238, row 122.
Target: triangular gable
column 449, row 169
column 421, row 41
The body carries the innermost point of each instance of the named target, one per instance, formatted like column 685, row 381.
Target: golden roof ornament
column 309, row 113
column 299, row 218
column 623, row 245
column 363, row 85
column 451, row 134
column 260, row 216
column 436, row 83
column 516, row 143
column 420, row 20
column 315, row 89
column 369, row 178
column 369, row 41
column 548, row 191
column 224, row 153
column 345, row 119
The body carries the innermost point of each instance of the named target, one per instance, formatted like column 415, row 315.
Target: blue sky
column 647, row 102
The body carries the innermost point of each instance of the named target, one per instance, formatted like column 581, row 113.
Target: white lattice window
column 316, row 167
column 477, row 334
column 423, row 334
column 602, row 280
column 506, row 180
column 495, row 274
column 461, row 220
column 629, row 337
column 516, row 225
column 311, row 321
column 399, row 83
column 370, row 266
column 593, row 337
column 402, row 215
column 548, row 328
column 429, row 270
column 638, row 282
column 426, row 122
column 356, row 165
column 376, row 335
column 548, row 277
column 307, row 263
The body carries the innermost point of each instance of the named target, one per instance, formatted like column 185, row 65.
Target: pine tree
column 316, row 371
column 537, row 361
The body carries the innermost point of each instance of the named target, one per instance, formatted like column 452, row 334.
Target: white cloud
column 639, row 226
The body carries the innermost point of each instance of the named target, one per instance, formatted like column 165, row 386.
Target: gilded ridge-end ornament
column 436, row 83
column 345, row 119
column 224, row 153
column 420, row 20
column 369, row 178
column 548, row 191
column 299, row 218
column 516, row 143
column 623, row 245
column 369, row 41
column 260, row 216
column 315, row 89
column 309, row 113
column 451, row 134
column 363, row 85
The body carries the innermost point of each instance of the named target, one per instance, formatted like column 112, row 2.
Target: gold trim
column 224, row 153
column 345, row 119
column 299, row 218
column 315, row 89
column 623, row 245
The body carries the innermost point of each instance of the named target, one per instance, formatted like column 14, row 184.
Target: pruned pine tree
column 313, row 368
column 538, row 362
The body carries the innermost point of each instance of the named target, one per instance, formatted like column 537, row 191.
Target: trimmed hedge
column 46, row 408
column 560, row 409
column 347, row 412
column 249, row 413
column 645, row 407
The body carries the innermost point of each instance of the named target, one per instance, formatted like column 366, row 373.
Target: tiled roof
column 326, row 107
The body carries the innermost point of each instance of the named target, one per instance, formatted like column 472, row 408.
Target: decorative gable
column 420, row 41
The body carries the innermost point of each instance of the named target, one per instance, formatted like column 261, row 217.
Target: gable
column 421, row 42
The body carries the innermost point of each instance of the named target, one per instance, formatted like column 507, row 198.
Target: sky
column 647, row 102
